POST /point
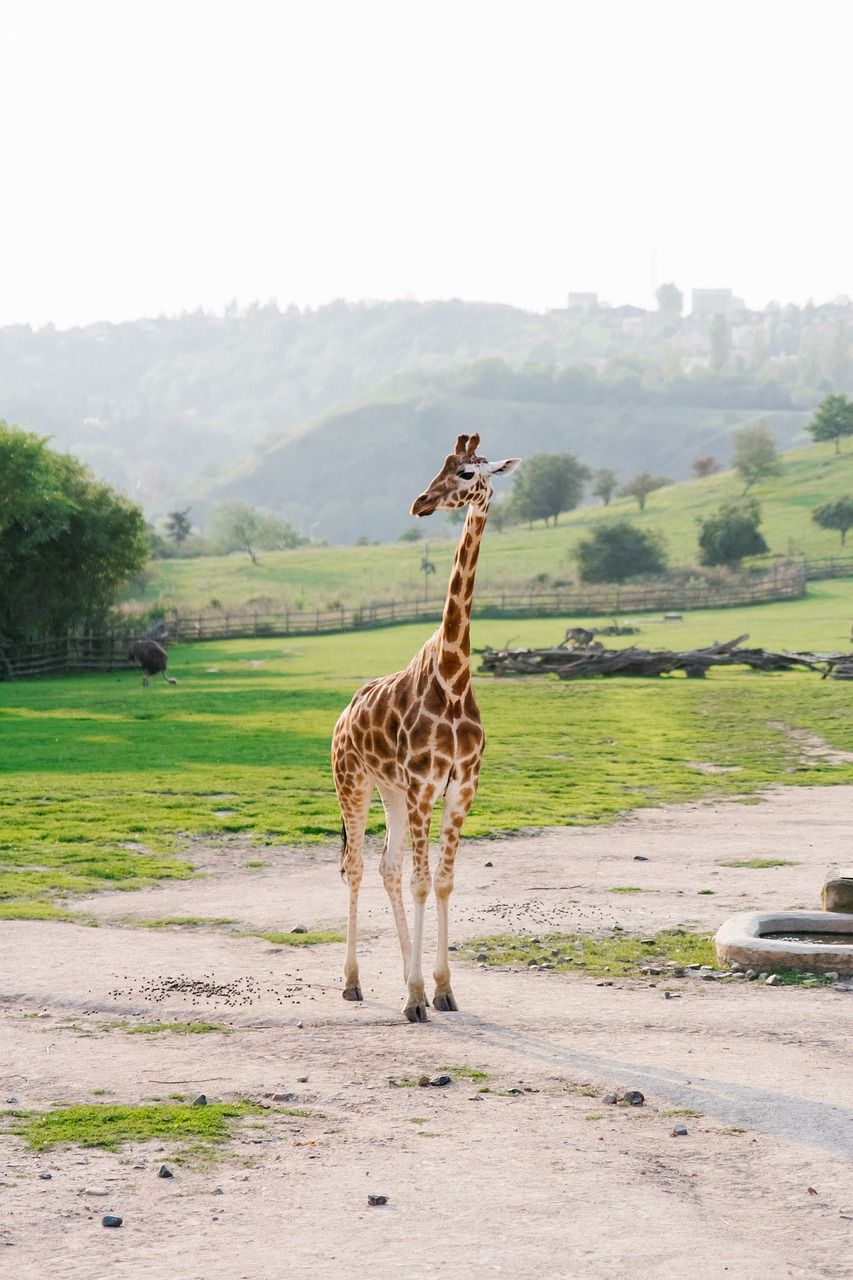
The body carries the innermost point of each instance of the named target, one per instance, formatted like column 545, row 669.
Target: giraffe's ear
column 502, row 468
column 461, row 448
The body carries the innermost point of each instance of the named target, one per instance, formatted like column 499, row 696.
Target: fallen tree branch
column 592, row 659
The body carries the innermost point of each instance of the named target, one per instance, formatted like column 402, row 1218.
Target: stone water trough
column 808, row 941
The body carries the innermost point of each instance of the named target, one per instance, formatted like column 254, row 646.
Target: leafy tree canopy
column 670, row 300
column 705, row 466
column 604, row 484
column 67, row 543
column 616, row 552
column 833, row 418
column 731, row 533
column 642, row 485
column 179, row 525
column 547, row 484
column 835, row 515
column 754, row 455
column 238, row 527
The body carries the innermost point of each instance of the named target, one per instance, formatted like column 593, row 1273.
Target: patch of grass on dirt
column 625, row 888
column 594, row 1115
column 27, row 909
column 759, row 864
column 471, row 1073
column 681, row 1111
column 188, row 922
column 622, row 955
column 110, row 1127
column 177, row 1028
column 309, row 939
column 800, row 978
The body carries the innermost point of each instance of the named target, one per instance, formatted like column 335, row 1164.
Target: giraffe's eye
column 466, row 475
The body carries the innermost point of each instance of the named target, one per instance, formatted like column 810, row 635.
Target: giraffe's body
column 417, row 735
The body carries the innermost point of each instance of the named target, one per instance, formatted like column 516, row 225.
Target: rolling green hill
column 321, row 577
column 353, row 474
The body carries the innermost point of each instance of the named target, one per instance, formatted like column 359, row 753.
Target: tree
column 641, row 486
column 670, row 301
column 721, row 343
column 833, row 418
column 178, row 526
column 412, row 534
column 547, row 484
column 705, row 466
column 68, row 544
column 604, row 484
column 616, row 552
column 238, row 527
column 754, row 454
column 731, row 533
column 835, row 515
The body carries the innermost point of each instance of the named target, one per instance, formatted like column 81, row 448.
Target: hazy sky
column 163, row 154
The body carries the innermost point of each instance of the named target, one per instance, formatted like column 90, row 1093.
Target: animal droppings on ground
column 235, row 993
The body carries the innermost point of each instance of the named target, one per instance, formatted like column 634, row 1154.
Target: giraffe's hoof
column 416, row 1012
column 352, row 993
column 445, row 1002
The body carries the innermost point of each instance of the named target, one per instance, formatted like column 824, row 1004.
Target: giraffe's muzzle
column 423, row 505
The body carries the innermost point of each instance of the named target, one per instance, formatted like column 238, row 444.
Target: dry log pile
column 576, row 658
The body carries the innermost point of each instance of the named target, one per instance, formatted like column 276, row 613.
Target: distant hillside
column 163, row 407
column 517, row 559
column 354, row 474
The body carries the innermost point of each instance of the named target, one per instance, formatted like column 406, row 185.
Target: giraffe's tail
column 343, row 844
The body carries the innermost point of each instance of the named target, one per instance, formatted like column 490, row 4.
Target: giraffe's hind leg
column 354, row 791
column 391, row 866
column 457, row 802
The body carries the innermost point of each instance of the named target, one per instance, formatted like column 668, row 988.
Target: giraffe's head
column 465, row 477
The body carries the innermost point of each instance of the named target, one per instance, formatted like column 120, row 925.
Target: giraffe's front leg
column 415, row 1007
column 457, row 802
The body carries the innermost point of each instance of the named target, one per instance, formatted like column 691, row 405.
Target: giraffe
column 417, row 735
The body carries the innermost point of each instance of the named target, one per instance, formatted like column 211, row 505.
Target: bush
column 731, row 534
column 616, row 552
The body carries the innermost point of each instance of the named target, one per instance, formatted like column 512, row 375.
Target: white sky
column 160, row 154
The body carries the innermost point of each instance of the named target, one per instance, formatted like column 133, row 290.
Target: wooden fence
column 108, row 652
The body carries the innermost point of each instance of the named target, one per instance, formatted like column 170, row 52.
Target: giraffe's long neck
column 454, row 634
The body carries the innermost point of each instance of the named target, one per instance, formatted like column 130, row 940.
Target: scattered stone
column 672, row 995
column 423, row 1082
column 772, row 980
column 111, row 1220
column 488, row 864
column 45, row 1177
column 515, row 1091
column 742, row 976
column 95, row 1191
column 640, row 857
column 676, row 970
column 289, row 1097
column 300, row 1025
column 217, row 1191
column 694, row 968
column 533, row 964
column 679, row 1131
column 200, row 1101
column 165, row 1172
column 438, row 1082
column 708, row 977
column 610, row 1099
column 301, row 1079
column 373, row 1201
column 482, row 956
column 605, row 982
column 763, row 976
column 653, row 970
column 634, row 1098
column 751, row 975
column 299, row 928
column 833, row 975
column 736, row 966
column 11, row 1102
column 546, row 965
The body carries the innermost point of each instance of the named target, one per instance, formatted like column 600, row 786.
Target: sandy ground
column 546, row 1182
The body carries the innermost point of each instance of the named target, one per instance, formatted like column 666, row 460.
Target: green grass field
column 323, row 577
column 103, row 783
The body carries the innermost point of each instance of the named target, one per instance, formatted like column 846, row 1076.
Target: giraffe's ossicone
column 417, row 736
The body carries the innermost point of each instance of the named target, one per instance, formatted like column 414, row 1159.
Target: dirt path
column 546, row 1182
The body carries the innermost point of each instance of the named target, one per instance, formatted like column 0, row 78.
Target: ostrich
column 152, row 659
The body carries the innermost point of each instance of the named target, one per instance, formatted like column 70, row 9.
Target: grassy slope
column 102, row 782
column 318, row 577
